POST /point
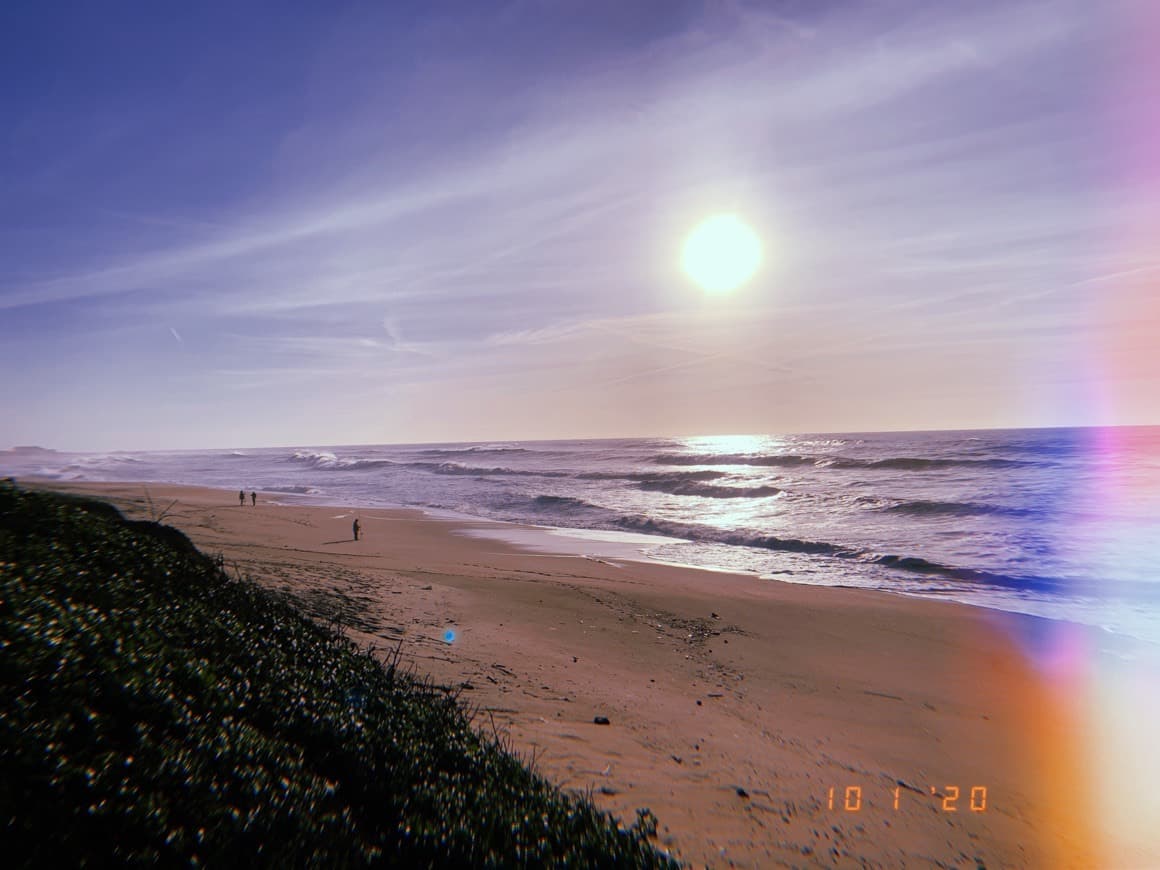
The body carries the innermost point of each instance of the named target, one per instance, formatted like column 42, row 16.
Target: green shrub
column 154, row 710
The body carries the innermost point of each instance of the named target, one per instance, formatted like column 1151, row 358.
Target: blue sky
column 384, row 222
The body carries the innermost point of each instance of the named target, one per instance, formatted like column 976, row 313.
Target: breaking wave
column 923, row 508
column 790, row 460
column 651, row 476
column 315, row 458
column 326, row 460
column 693, row 532
column 777, row 459
column 480, row 471
column 567, row 502
column 918, row 565
column 475, row 450
column 909, row 564
column 661, row 477
column 916, row 463
column 567, row 510
column 707, row 490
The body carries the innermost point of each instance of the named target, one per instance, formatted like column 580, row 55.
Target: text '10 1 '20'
column 953, row 798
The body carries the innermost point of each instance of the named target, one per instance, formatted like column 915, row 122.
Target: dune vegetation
column 157, row 710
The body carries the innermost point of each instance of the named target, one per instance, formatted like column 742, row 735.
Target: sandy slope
column 735, row 704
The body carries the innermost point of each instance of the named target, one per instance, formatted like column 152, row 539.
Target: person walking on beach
column 241, row 498
column 355, row 528
column 254, row 499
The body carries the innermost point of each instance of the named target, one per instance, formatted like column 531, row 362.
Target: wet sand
column 735, row 705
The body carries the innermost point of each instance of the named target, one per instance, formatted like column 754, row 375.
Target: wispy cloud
column 561, row 172
column 913, row 168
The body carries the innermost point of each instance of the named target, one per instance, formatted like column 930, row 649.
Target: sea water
column 1062, row 523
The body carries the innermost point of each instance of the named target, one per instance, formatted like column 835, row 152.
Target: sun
column 722, row 253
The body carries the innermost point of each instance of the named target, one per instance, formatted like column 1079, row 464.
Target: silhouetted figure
column 355, row 528
column 241, row 498
column 254, row 498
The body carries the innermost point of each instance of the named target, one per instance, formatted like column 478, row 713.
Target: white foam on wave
column 616, row 537
column 325, row 460
column 318, row 458
column 586, row 543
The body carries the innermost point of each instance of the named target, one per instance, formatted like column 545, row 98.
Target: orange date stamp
column 953, row 798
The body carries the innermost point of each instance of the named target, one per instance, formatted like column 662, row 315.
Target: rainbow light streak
column 1100, row 736
column 1123, row 694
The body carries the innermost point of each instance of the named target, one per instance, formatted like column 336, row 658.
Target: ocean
column 1061, row 523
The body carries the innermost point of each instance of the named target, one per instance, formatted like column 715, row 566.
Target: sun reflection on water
column 730, row 444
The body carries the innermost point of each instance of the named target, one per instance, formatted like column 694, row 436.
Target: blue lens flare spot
column 449, row 636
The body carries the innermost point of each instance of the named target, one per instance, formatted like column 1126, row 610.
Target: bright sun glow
column 722, row 253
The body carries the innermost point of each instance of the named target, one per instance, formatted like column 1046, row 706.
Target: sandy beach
column 735, row 705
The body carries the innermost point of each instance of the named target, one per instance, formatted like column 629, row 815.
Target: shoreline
column 524, row 536
column 734, row 705
column 551, row 540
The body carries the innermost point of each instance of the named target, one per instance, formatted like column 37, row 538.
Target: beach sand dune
column 765, row 724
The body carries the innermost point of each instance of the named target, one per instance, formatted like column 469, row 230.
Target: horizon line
column 39, row 448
